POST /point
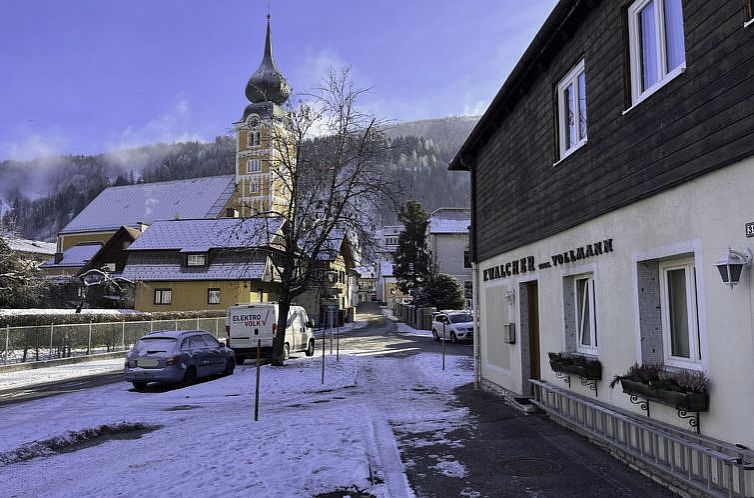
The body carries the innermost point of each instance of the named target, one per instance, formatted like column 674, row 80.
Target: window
column 468, row 289
column 586, row 322
column 467, row 259
column 213, row 296
column 680, row 319
column 255, row 165
column 163, row 296
column 255, row 138
column 656, row 45
column 572, row 110
column 196, row 260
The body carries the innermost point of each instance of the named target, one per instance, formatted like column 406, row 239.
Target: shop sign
column 527, row 264
column 750, row 229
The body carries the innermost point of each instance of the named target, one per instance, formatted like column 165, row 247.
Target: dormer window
column 196, row 260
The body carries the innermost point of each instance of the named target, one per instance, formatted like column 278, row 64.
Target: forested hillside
column 44, row 194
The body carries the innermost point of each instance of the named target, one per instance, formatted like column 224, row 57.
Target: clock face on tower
column 253, row 121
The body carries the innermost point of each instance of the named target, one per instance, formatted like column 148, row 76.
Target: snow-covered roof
column 150, row 202
column 31, row 246
column 75, row 256
column 205, row 234
column 147, row 267
column 365, row 271
column 450, row 220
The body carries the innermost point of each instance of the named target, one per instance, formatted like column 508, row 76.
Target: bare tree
column 329, row 170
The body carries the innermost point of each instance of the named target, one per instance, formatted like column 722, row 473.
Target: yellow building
column 206, row 264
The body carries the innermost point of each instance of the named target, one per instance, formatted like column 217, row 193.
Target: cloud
column 173, row 125
column 33, row 146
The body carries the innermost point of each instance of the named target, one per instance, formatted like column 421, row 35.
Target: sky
column 89, row 76
column 333, row 436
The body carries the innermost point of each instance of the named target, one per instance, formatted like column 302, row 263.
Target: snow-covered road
column 311, row 438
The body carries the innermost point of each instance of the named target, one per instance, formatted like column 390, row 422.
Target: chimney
column 231, row 213
column 58, row 257
column 142, row 226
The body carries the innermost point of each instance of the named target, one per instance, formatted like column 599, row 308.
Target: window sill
column 570, row 152
column 683, row 364
column 657, row 86
column 749, row 23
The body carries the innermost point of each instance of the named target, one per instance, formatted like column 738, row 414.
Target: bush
column 443, row 291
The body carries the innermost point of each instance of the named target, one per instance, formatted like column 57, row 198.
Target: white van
column 246, row 324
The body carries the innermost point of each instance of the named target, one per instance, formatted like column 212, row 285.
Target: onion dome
column 267, row 84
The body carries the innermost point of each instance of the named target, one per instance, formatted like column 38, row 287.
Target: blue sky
column 87, row 76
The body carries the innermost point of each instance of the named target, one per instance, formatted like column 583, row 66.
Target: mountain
column 44, row 194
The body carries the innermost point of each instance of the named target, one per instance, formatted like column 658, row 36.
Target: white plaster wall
column 447, row 249
column 703, row 217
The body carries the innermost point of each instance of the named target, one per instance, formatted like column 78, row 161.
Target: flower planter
column 586, row 368
column 690, row 402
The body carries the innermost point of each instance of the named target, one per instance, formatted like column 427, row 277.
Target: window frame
column 256, row 168
column 210, row 292
column 634, row 51
column 571, row 78
column 695, row 359
column 590, row 295
column 162, row 293
column 254, row 138
column 748, row 13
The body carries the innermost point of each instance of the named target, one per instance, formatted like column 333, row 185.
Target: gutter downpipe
column 468, row 163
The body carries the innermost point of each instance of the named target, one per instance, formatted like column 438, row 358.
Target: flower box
column 690, row 402
column 583, row 366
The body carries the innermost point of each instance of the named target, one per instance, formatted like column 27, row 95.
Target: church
column 195, row 244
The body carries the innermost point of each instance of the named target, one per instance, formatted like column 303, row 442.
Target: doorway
column 529, row 314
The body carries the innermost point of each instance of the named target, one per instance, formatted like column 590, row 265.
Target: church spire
column 267, row 84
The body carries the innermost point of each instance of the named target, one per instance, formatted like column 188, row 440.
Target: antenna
column 269, row 10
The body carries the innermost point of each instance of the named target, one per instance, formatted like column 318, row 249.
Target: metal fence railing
column 704, row 464
column 48, row 342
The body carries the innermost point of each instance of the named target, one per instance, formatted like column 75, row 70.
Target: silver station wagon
column 175, row 356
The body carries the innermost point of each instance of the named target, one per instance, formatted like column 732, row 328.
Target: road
column 379, row 337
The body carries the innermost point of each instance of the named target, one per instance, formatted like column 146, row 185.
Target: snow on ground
column 310, row 438
column 20, row 378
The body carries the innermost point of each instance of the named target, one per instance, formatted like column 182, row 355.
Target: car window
column 185, row 344
column 196, row 342
column 211, row 341
column 460, row 318
column 154, row 345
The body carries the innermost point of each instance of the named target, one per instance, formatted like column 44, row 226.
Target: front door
column 533, row 301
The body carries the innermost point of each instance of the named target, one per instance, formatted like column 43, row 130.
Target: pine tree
column 412, row 266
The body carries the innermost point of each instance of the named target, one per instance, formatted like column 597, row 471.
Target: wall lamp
column 731, row 265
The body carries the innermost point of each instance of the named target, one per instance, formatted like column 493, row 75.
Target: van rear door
column 249, row 324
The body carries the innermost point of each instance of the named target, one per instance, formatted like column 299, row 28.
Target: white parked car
column 457, row 325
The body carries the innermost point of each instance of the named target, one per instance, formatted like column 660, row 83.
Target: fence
column 48, row 342
column 701, row 463
column 413, row 316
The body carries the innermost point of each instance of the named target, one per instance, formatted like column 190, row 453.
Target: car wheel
column 189, row 377
column 453, row 337
column 434, row 334
column 229, row 367
column 286, row 351
column 310, row 348
column 240, row 360
column 139, row 384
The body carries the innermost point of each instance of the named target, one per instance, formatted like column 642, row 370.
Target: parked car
column 458, row 325
column 177, row 356
column 250, row 324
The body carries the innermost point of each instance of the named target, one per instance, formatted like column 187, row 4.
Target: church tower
column 262, row 137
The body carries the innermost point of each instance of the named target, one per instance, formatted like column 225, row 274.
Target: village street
column 388, row 422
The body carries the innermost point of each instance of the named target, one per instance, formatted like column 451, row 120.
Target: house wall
column 193, row 295
column 701, row 218
column 700, row 121
column 447, row 252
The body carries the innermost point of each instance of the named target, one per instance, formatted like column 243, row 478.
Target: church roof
column 150, row 202
column 267, row 84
